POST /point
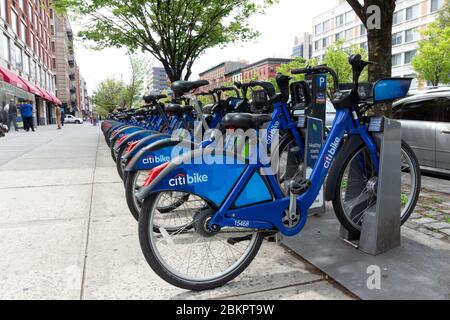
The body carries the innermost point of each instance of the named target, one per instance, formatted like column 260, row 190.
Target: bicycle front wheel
column 357, row 186
column 196, row 258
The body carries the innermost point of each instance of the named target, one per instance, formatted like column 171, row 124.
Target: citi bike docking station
column 201, row 223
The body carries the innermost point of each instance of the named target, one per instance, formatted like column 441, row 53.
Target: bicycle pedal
column 299, row 187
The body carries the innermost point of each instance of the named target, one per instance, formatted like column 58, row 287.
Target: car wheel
column 77, row 122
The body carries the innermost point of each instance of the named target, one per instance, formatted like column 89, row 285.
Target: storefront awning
column 55, row 99
column 11, row 78
column 30, row 87
column 44, row 94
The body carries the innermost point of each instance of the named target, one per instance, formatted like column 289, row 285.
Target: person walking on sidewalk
column 26, row 110
column 58, row 117
column 12, row 115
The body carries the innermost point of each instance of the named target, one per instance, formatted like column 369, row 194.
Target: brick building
column 265, row 69
column 68, row 79
column 216, row 74
column 26, row 70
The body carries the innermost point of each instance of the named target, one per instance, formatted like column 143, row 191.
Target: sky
column 278, row 27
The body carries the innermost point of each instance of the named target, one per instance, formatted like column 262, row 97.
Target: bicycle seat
column 245, row 121
column 152, row 98
column 180, row 87
column 177, row 109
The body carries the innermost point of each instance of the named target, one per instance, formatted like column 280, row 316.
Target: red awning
column 44, row 94
column 55, row 99
column 31, row 87
column 11, row 78
column 51, row 97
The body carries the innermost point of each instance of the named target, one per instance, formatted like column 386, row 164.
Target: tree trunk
column 379, row 41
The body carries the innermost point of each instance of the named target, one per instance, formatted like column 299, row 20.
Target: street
column 66, row 232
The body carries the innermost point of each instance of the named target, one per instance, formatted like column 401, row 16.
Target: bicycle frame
column 281, row 119
column 261, row 216
column 266, row 210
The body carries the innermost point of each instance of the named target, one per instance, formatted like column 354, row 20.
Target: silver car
column 425, row 119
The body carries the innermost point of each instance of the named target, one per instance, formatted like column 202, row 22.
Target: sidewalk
column 67, row 233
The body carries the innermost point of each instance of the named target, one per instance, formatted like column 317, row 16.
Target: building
column 341, row 23
column 216, row 75
column 85, row 106
column 26, row 70
column 67, row 72
column 157, row 80
column 302, row 46
column 265, row 69
column 234, row 76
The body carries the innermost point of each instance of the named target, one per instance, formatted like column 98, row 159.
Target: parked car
column 425, row 119
column 68, row 118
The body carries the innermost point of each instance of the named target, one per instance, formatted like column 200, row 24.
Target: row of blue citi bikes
column 203, row 208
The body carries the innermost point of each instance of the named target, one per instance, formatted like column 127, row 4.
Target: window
column 326, row 26
column 324, row 42
column 364, row 46
column 26, row 63
column 424, row 110
column 412, row 12
column 445, row 110
column 362, row 30
column 397, row 38
column 396, row 59
column 14, row 21
column 6, row 48
column 349, row 17
column 349, row 34
column 23, row 32
column 317, row 45
column 409, row 55
column 411, row 35
column 398, row 17
column 19, row 58
column 318, row 29
column 339, row 35
column 435, row 5
column 339, row 20
column 33, row 70
column 3, row 9
column 30, row 12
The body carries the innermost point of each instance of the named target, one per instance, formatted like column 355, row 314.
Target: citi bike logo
column 273, row 132
column 155, row 159
column 331, row 152
column 182, row 179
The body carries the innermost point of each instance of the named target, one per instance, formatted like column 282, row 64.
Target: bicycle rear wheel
column 195, row 259
column 357, row 185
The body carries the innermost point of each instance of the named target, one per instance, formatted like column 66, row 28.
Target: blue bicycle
column 234, row 204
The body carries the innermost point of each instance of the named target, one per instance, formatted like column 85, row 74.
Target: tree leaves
column 432, row 62
column 176, row 32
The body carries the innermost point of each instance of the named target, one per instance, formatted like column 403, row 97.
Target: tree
column 432, row 62
column 108, row 96
column 377, row 17
column 140, row 66
column 444, row 15
column 336, row 57
column 175, row 32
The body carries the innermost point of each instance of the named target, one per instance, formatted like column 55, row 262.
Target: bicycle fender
column 159, row 152
column 351, row 144
column 143, row 143
column 191, row 174
column 135, row 136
